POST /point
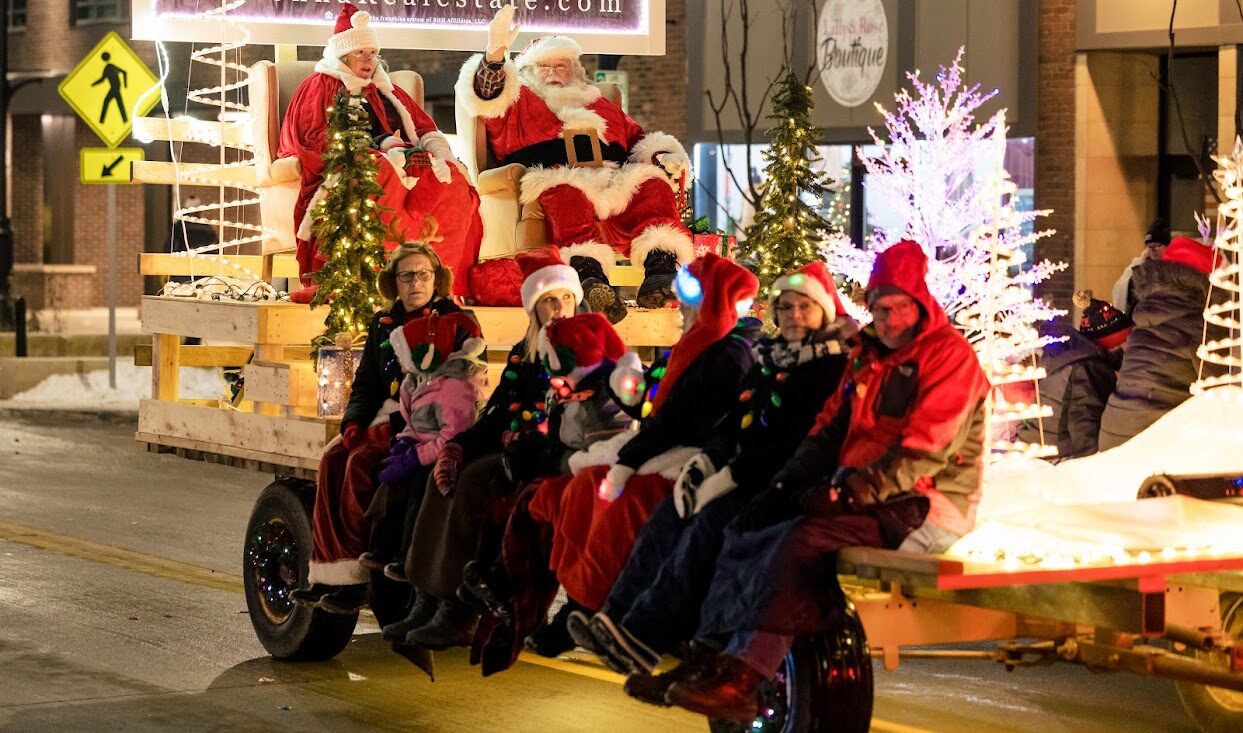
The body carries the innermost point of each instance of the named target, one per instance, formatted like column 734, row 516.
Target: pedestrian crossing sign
column 108, row 87
column 107, row 165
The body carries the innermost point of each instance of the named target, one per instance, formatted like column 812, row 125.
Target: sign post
column 108, row 87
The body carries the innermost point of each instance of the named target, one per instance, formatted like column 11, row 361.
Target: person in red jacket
column 625, row 208
column 431, row 182
column 892, row 461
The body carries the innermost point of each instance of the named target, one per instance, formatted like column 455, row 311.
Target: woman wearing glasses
column 418, row 171
column 419, row 285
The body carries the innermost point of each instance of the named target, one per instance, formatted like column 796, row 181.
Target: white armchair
column 279, row 179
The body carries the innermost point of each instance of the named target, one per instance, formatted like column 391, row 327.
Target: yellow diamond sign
column 106, row 85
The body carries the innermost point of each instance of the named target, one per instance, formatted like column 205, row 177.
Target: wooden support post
column 165, row 359
column 269, row 352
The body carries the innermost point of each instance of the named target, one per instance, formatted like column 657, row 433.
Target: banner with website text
column 600, row 26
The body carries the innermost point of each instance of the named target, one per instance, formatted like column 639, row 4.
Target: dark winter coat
column 523, row 390
column 697, row 410
column 1159, row 362
column 777, row 405
column 1080, row 378
column 378, row 375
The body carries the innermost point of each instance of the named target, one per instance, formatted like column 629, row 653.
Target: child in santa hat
column 445, row 383
column 449, row 522
column 511, row 579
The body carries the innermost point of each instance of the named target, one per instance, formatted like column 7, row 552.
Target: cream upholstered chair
column 271, row 87
column 507, row 226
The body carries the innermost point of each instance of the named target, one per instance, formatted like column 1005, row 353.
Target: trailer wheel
column 824, row 685
column 275, row 561
column 1214, row 709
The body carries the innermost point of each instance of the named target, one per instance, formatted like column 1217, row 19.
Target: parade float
column 1068, row 557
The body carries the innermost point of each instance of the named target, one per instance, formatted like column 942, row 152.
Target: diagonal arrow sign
column 106, row 171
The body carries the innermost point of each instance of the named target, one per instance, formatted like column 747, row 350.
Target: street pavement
column 121, row 609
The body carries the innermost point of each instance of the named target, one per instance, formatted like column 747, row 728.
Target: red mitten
column 496, row 282
column 445, row 471
column 352, row 435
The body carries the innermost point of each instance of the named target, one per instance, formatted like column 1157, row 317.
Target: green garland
column 787, row 231
column 347, row 224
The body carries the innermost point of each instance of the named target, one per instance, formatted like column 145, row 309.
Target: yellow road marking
column 195, row 575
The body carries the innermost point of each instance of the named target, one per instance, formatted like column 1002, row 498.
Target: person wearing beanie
column 891, row 461
column 1081, row 371
column 417, row 285
column 682, row 404
column 625, row 209
column 469, row 474
column 1155, row 241
column 654, row 605
column 1159, row 360
column 511, row 579
column 433, row 183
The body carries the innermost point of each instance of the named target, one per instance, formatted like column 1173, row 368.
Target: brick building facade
column 1055, row 150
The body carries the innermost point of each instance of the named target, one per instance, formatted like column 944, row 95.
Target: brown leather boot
column 731, row 694
column 698, row 662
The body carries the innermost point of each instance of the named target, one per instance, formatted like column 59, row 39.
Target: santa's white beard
column 574, row 94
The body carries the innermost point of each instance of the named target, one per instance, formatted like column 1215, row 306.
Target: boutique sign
column 852, row 46
column 601, row 26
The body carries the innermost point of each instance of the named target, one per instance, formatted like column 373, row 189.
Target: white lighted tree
column 932, row 173
column 1227, row 313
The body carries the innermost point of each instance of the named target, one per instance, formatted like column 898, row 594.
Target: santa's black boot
column 453, row 625
column 598, row 294
column 659, row 268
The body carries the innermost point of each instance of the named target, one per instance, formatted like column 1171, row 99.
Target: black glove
column 527, row 456
column 861, row 488
column 769, row 507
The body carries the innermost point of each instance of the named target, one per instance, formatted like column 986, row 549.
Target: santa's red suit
column 628, row 207
column 441, row 190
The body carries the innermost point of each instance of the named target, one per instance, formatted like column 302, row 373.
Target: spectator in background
column 1159, row 360
column 1082, row 372
column 1155, row 242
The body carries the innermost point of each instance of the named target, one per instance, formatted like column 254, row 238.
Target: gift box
column 720, row 244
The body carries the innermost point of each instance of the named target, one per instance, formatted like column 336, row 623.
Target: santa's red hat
column 546, row 48
column 543, row 271
column 1189, row 252
column 423, row 344
column 352, row 32
column 579, row 341
column 816, row 282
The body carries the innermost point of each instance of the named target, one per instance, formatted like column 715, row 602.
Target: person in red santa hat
column 619, row 482
column 449, row 522
column 628, row 208
column 432, row 183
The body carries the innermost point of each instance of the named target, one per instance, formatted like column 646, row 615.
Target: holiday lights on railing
column 1226, row 352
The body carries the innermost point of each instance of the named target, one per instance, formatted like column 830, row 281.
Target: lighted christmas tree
column 1226, row 314
column 933, row 175
column 347, row 223
column 788, row 226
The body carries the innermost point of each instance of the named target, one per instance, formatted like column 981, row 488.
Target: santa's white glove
column 675, row 164
column 686, row 488
column 391, row 141
column 627, row 380
column 614, row 482
column 502, row 30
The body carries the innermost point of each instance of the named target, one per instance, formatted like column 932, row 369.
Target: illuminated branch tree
column 1227, row 315
column 347, row 223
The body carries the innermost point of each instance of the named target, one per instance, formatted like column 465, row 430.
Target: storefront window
column 17, row 14
column 99, row 11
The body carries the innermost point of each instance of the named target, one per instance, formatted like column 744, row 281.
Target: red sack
column 496, row 282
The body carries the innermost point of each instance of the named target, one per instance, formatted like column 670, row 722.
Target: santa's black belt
column 552, row 152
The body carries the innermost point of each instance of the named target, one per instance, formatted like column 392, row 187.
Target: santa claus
column 429, row 182
column 626, row 208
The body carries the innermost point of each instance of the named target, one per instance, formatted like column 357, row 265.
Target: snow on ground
column 91, row 391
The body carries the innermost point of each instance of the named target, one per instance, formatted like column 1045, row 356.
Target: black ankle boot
column 421, row 612
column 598, row 294
column 553, row 638
column 453, row 625
column 659, row 268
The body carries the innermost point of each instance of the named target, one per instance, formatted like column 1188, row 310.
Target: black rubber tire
column 824, row 686
column 278, row 548
column 1214, row 709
